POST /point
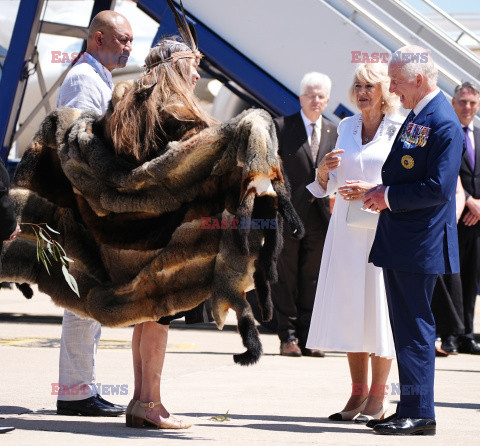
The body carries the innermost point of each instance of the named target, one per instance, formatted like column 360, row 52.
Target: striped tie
column 315, row 142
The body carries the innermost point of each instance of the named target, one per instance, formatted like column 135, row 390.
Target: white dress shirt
column 87, row 86
column 307, row 123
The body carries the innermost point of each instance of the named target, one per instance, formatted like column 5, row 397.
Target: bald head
column 105, row 20
column 110, row 39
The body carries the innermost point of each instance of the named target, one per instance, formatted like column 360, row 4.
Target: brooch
column 391, row 130
column 407, row 161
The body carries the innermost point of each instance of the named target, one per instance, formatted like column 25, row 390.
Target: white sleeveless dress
column 350, row 313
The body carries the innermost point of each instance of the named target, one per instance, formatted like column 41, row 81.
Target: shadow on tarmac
column 89, row 426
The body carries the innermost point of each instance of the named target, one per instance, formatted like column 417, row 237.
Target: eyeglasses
column 312, row 97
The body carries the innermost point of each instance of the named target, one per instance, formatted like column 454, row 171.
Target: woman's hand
column 354, row 189
column 329, row 162
column 14, row 234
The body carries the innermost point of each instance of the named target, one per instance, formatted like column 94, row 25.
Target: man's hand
column 374, row 199
column 473, row 205
column 470, row 219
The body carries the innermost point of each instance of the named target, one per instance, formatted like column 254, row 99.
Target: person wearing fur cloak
column 161, row 208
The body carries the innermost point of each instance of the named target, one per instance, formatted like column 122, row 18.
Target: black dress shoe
column 450, row 346
column 440, row 353
column 469, row 346
column 315, row 353
column 407, row 426
column 5, row 429
column 90, row 407
column 108, row 403
column 373, row 423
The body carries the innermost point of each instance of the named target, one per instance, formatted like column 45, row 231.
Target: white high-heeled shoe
column 362, row 418
column 348, row 415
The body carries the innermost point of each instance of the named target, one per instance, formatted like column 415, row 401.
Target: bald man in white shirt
column 89, row 86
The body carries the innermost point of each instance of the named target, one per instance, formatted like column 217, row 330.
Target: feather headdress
column 186, row 30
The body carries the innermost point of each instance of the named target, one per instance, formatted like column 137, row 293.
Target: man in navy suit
column 416, row 237
column 466, row 103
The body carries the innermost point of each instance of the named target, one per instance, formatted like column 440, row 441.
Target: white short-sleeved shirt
column 87, row 86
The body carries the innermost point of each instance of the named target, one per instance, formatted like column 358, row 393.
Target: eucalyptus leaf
column 49, row 250
column 42, row 258
column 41, row 233
column 51, row 229
column 70, row 280
column 60, row 247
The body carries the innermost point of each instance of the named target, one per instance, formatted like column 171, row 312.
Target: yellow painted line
column 19, row 341
column 104, row 343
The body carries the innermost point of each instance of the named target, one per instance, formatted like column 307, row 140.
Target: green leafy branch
column 221, row 418
column 49, row 251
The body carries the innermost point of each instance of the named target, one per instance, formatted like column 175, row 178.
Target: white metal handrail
column 448, row 17
column 358, row 12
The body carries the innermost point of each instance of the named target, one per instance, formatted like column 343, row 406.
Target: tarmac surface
column 279, row 401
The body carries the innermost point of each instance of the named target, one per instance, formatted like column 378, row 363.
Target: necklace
column 367, row 139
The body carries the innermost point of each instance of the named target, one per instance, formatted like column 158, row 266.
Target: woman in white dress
column 350, row 311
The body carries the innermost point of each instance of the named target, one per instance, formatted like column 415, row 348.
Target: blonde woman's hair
column 376, row 73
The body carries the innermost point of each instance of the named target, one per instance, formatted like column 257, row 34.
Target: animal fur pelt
column 138, row 233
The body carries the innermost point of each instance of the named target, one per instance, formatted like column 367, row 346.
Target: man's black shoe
column 108, row 403
column 407, row 426
column 5, row 429
column 90, row 407
column 469, row 346
column 450, row 346
column 373, row 423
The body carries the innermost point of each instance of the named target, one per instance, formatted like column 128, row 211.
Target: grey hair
column 315, row 79
column 376, row 73
column 416, row 60
column 467, row 86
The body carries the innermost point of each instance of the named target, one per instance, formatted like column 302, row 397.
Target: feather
column 186, row 30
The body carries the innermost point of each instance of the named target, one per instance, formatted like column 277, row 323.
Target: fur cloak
column 144, row 238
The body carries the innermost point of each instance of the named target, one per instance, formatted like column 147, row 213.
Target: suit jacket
column 298, row 162
column 471, row 177
column 8, row 221
column 419, row 233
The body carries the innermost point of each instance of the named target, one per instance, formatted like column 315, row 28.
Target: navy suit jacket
column 419, row 233
column 471, row 177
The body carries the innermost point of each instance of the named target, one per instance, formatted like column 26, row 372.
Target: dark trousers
column 469, row 250
column 447, row 305
column 409, row 296
column 298, row 267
